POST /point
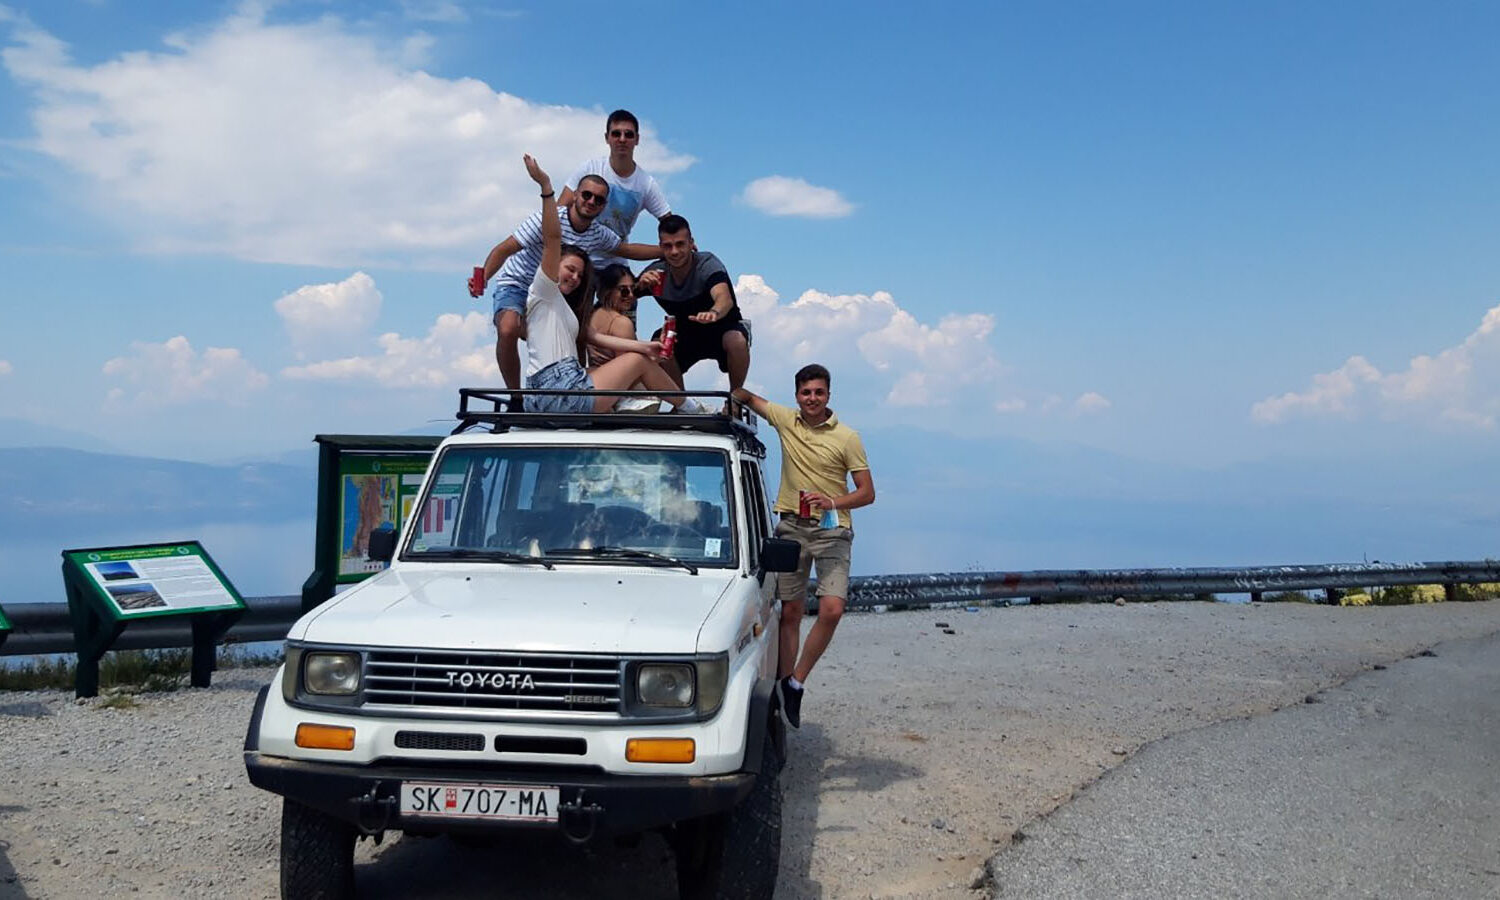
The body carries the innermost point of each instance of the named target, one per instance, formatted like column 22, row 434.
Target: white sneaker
column 638, row 405
column 691, row 407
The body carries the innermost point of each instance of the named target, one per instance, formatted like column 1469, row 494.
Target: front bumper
column 591, row 804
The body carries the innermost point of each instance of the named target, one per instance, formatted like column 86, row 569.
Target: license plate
column 448, row 800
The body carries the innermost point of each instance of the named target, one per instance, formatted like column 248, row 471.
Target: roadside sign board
column 111, row 587
column 376, row 490
column 153, row 580
column 4, row 622
column 365, row 482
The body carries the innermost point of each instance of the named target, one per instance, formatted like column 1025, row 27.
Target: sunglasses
column 591, row 197
column 619, row 133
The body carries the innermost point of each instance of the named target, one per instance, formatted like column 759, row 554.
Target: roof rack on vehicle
column 730, row 416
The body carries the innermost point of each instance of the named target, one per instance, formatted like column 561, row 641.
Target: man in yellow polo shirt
column 819, row 454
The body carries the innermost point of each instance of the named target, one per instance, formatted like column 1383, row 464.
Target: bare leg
column 792, row 613
column 625, row 370
column 736, row 358
column 830, row 610
column 509, row 327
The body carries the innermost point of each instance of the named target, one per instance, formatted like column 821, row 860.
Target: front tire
column 317, row 855
column 735, row 855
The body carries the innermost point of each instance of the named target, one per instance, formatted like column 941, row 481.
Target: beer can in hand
column 804, row 507
column 668, row 336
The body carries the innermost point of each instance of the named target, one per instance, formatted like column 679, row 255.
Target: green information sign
column 375, row 491
column 4, row 622
column 111, row 587
column 154, row 580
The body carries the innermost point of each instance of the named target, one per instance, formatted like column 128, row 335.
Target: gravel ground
column 920, row 754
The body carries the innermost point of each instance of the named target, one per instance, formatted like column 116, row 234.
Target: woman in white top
column 557, row 330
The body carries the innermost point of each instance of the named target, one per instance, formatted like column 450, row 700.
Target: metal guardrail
column 47, row 628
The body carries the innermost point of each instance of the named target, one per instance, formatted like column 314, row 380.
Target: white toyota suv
column 577, row 633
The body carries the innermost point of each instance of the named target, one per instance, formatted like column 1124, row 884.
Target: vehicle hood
column 571, row 609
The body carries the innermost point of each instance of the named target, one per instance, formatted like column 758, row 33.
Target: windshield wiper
column 660, row 559
column 487, row 553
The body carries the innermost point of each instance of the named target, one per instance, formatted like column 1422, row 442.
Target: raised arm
column 551, row 227
column 639, row 251
column 755, row 401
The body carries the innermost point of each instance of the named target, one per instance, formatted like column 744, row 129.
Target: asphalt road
column 1385, row 786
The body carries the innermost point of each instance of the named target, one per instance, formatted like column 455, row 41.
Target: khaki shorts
column 829, row 547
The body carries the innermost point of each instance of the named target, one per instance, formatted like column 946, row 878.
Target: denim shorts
column 564, row 375
column 508, row 296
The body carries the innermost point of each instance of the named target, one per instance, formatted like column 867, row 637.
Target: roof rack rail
column 730, row 416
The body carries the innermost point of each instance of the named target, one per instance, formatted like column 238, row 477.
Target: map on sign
column 156, row 580
column 375, row 491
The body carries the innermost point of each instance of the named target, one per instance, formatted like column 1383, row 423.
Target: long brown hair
column 580, row 299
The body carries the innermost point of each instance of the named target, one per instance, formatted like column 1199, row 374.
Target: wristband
column 548, row 194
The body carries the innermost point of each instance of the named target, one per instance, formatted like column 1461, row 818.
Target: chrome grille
column 534, row 682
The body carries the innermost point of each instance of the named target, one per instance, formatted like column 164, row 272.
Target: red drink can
column 804, row 508
column 476, row 283
column 668, row 336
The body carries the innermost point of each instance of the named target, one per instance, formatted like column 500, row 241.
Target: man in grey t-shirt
column 694, row 287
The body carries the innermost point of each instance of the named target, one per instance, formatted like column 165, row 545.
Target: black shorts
column 698, row 343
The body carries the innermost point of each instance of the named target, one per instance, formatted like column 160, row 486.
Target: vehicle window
column 755, row 510
column 528, row 500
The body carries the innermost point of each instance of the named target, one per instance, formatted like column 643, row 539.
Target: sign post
column 365, row 482
column 110, row 587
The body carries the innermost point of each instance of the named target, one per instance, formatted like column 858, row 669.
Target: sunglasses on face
column 591, row 197
column 619, row 133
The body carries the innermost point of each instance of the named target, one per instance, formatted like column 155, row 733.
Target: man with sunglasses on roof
column 516, row 259
column 631, row 189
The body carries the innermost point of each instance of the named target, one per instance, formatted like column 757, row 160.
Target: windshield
column 508, row 501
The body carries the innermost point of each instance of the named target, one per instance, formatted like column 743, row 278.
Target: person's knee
column 508, row 325
column 735, row 344
column 793, row 611
column 830, row 609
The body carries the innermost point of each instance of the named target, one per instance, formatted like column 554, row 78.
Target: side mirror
column 382, row 545
column 780, row 555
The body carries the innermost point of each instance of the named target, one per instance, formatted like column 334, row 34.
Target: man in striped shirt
column 516, row 259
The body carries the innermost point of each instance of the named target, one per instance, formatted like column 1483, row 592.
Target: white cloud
column 870, row 334
column 304, row 142
column 1458, row 385
column 5, row 367
column 777, row 195
column 1091, row 402
column 457, row 351
column 444, row 11
column 328, row 316
column 173, row 373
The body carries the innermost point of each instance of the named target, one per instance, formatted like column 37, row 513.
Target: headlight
column 713, row 678
column 669, row 685
column 331, row 673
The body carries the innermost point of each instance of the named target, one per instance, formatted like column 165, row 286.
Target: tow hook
column 572, row 813
column 371, row 808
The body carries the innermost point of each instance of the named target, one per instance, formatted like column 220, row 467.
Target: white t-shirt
column 551, row 327
column 627, row 197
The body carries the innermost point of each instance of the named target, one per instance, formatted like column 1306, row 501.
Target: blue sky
column 1198, row 235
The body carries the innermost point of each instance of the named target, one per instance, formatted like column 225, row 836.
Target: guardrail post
column 1450, row 591
column 1333, row 595
column 1255, row 596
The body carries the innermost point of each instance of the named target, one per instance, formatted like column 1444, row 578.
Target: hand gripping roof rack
column 492, row 407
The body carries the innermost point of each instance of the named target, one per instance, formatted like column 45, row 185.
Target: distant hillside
column 23, row 433
column 45, row 490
